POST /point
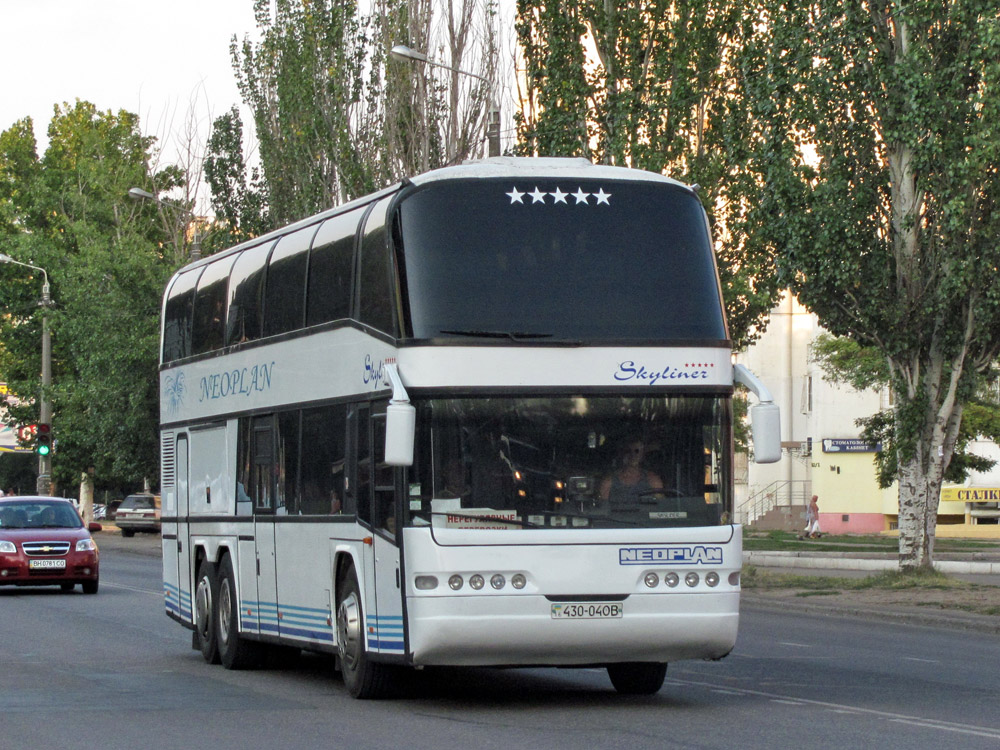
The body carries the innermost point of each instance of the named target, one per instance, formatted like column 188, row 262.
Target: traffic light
column 43, row 440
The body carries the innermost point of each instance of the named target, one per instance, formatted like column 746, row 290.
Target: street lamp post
column 44, row 484
column 138, row 194
column 402, row 52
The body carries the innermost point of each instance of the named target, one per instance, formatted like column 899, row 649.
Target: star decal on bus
column 559, row 196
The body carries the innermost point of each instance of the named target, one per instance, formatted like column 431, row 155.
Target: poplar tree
column 889, row 204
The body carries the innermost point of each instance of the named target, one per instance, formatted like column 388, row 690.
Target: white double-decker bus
column 483, row 417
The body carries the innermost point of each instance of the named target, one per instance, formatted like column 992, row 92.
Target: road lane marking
column 138, row 590
column 920, row 721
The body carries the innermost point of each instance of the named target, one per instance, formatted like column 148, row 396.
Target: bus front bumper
column 524, row 630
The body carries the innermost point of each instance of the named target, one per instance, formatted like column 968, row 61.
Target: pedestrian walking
column 812, row 519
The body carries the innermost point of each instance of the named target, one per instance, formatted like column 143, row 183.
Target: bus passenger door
column 376, row 489
column 262, row 477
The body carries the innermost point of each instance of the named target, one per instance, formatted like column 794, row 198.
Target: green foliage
column 68, row 212
column 238, row 191
column 889, row 234
column 665, row 96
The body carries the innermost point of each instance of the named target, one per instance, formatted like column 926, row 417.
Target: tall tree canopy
column 334, row 117
column 651, row 84
column 891, row 227
column 107, row 259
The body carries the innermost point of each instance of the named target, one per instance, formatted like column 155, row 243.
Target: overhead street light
column 404, row 53
column 44, row 484
column 138, row 194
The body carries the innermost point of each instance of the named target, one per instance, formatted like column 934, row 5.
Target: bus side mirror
column 765, row 422
column 400, row 422
column 400, row 427
column 765, row 418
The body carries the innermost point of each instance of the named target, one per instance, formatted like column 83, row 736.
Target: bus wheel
column 637, row 678
column 235, row 651
column 362, row 677
column 205, row 592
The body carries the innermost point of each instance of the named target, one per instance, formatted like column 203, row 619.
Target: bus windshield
column 581, row 260
column 571, row 462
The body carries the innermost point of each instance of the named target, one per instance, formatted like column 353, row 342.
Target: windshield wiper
column 512, row 335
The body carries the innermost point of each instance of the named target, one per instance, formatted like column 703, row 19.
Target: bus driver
column 624, row 486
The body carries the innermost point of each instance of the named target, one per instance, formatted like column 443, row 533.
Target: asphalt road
column 112, row 671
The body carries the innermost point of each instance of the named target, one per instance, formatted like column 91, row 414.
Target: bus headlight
column 712, row 579
column 691, row 579
column 518, row 581
column 455, row 582
column 671, row 579
column 651, row 579
column 498, row 581
column 477, row 582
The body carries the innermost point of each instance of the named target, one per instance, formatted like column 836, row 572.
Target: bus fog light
column 477, row 582
column 734, row 578
column 691, row 579
column 671, row 579
column 651, row 579
column 498, row 581
column 455, row 582
column 426, row 583
column 518, row 581
column 712, row 579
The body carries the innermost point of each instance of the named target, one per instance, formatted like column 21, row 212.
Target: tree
column 334, row 118
column 663, row 95
column 237, row 189
column 843, row 360
column 108, row 261
column 890, row 228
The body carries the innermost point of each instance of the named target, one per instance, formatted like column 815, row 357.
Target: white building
column 824, row 455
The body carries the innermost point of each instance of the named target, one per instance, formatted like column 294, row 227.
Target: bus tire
column 637, row 678
column 235, row 651
column 206, row 593
column 363, row 678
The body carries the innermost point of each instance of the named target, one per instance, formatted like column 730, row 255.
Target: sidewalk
column 918, row 607
column 972, row 563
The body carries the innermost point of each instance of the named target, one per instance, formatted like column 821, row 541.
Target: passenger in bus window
column 631, row 479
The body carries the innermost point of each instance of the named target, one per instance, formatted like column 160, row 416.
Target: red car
column 43, row 542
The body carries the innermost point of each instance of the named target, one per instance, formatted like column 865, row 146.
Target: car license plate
column 587, row 611
column 36, row 564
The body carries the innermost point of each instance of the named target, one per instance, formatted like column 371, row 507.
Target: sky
column 166, row 61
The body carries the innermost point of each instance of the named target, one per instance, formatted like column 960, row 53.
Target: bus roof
column 515, row 166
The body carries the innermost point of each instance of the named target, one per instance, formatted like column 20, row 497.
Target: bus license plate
column 587, row 611
column 36, row 564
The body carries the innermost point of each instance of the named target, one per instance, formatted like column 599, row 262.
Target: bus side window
column 324, row 434
column 263, row 466
column 287, row 469
column 359, row 463
column 209, row 315
column 246, row 284
column 177, row 316
column 377, row 289
column 384, row 476
column 331, row 269
column 285, row 284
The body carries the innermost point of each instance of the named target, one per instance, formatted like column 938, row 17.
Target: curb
column 810, row 560
column 910, row 616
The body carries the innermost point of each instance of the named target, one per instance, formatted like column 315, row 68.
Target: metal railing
column 782, row 492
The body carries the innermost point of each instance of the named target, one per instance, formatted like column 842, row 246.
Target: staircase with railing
column 776, row 505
